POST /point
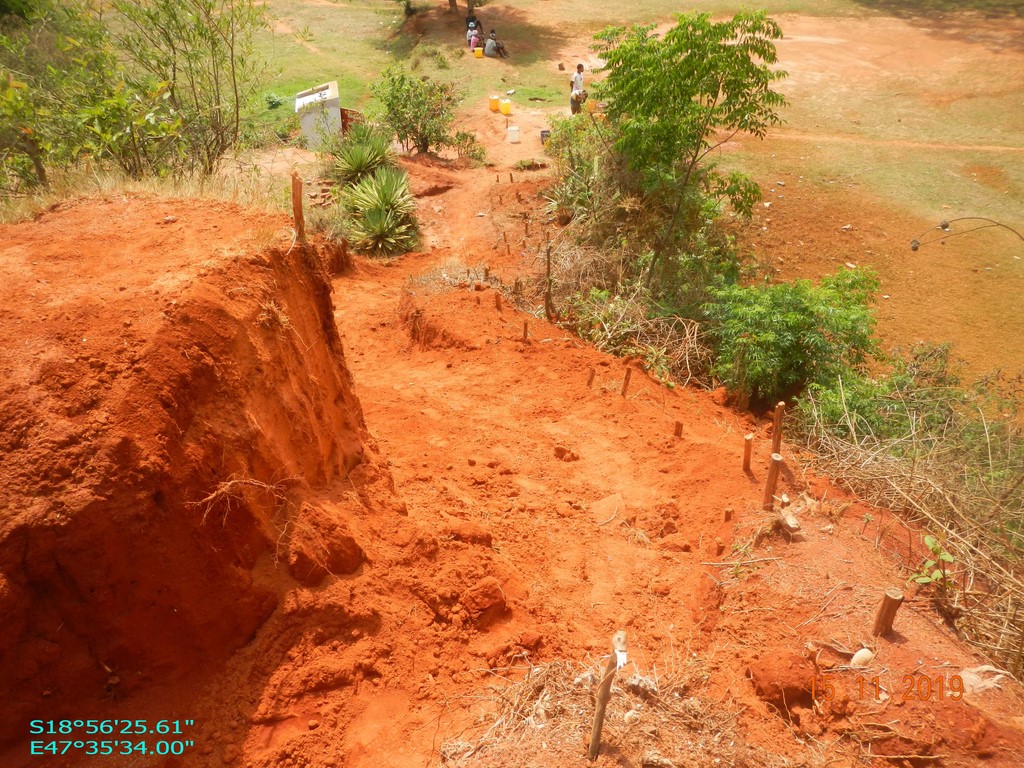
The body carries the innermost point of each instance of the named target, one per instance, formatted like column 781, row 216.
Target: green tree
column 773, row 340
column 672, row 99
column 200, row 54
column 53, row 62
column 420, row 111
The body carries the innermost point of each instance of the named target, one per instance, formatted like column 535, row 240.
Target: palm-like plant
column 361, row 154
column 380, row 213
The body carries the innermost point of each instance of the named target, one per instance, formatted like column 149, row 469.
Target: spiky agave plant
column 364, row 151
column 380, row 213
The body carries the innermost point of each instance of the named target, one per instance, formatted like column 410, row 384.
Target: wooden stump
column 300, row 223
column 780, row 408
column 891, row 602
column 748, row 447
column 773, row 479
column 604, row 692
column 679, row 429
column 625, row 382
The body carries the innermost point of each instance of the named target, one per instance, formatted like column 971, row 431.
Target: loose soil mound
column 170, row 387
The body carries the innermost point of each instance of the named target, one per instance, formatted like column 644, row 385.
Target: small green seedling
column 933, row 570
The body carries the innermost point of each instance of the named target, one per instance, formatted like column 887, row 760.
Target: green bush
column 772, row 341
column 466, row 144
column 379, row 213
column 421, row 112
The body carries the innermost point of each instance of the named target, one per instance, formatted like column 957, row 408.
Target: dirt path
column 600, row 518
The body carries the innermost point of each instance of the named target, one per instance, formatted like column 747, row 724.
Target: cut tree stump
column 891, row 602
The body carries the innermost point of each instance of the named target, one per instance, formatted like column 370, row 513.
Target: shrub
column 771, row 341
column 466, row 144
column 379, row 213
column 273, row 100
column 204, row 54
column 419, row 111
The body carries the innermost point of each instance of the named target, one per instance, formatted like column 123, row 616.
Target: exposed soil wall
column 168, row 394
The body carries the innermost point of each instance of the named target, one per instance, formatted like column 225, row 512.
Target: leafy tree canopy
column 677, row 97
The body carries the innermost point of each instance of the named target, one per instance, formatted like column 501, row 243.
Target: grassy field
column 353, row 41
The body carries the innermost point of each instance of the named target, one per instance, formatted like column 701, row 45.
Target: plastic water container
column 544, row 136
column 513, row 134
column 478, row 52
column 505, row 106
column 493, row 103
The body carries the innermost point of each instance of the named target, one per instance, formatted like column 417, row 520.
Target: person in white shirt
column 494, row 47
column 576, row 90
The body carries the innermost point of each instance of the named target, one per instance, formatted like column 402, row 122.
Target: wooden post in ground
column 510, row 177
column 728, row 514
column 773, row 479
column 526, row 331
column 748, row 447
column 590, row 378
column 777, row 428
column 487, row 272
column 300, row 222
column 679, row 429
column 604, row 692
column 625, row 382
column 497, row 300
column 891, row 602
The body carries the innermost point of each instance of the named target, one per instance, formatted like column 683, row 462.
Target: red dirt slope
column 495, row 512
column 165, row 387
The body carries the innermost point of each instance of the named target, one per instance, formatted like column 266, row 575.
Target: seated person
column 494, row 48
column 470, row 31
column 474, row 40
column 472, row 19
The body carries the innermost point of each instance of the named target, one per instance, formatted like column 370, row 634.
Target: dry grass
column 670, row 347
column 656, row 718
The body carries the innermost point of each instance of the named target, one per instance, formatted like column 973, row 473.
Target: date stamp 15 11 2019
column 911, row 688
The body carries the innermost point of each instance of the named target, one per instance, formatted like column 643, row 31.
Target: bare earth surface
column 330, row 510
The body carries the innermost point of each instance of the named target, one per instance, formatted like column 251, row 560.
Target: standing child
column 576, row 90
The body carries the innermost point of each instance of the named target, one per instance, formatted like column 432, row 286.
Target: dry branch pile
column 622, row 324
column 975, row 513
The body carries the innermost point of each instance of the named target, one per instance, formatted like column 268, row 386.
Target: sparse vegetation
column 944, row 456
column 160, row 89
